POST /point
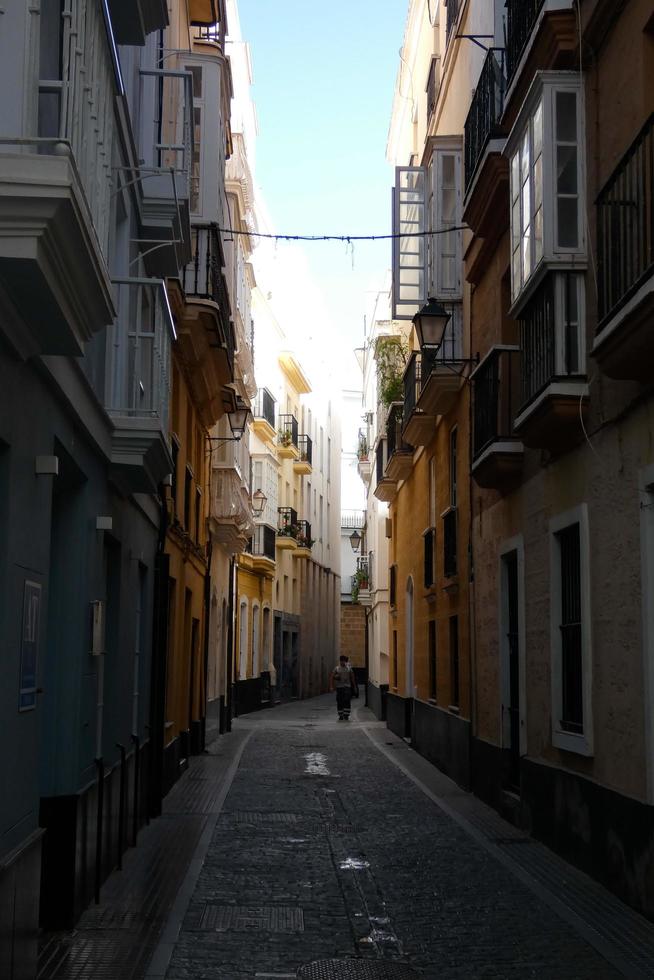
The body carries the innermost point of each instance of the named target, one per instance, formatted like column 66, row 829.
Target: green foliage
column 391, row 356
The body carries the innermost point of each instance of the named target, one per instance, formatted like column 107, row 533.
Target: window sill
column 569, row 742
column 454, row 709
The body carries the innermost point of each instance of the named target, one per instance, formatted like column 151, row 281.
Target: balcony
column 51, row 264
column 287, row 529
column 204, row 284
column 364, row 467
column 419, row 427
column 385, row 487
column 138, row 384
column 399, row 460
column 540, row 35
column 166, row 151
column 287, row 438
column 441, row 371
column 554, row 387
column 304, row 540
column 260, row 551
column 303, row 466
column 263, row 424
column 360, row 582
column 132, row 22
column 482, row 125
column 450, row 566
column 497, row 452
column 624, row 346
column 230, row 520
column 486, row 169
column 521, row 16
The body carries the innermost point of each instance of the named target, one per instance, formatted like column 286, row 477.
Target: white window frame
column 444, row 148
column 409, row 297
column 543, row 91
column 256, row 640
column 580, row 743
column 516, row 546
column 243, row 630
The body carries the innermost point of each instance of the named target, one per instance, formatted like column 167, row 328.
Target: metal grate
column 250, row 918
column 243, row 816
column 356, row 970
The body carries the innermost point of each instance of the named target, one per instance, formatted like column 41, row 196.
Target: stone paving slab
column 408, row 884
column 338, row 842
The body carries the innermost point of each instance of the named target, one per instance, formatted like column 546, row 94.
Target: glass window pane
column 50, row 41
column 515, row 176
column 449, row 204
column 524, row 156
column 49, row 112
column 538, row 236
column 566, row 169
column 526, row 253
column 538, row 182
column 196, row 72
column 516, row 230
column 567, row 222
column 526, row 207
column 538, row 129
column 566, row 117
column 516, row 279
column 448, row 170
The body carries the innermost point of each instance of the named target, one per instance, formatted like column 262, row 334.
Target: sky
column 323, row 78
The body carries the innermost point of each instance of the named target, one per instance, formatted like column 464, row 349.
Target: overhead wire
column 342, row 238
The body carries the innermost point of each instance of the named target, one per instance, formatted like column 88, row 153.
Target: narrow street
column 299, row 839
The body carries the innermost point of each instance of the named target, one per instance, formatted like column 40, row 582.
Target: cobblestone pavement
column 336, row 841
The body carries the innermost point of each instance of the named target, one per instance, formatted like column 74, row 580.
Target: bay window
column 426, row 200
column 546, row 167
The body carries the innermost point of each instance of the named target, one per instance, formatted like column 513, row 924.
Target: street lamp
column 430, row 323
column 259, row 501
column 355, row 540
column 238, row 419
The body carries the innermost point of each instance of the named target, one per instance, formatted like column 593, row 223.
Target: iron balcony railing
column 262, row 542
column 625, row 225
column 496, row 390
column 380, row 461
column 538, row 329
column 288, row 431
column 482, row 121
column 392, row 585
column 264, row 406
column 203, row 277
column 353, row 518
column 395, row 442
column 288, row 525
column 412, row 384
column 521, row 17
column 305, row 445
column 304, row 538
column 449, row 543
column 138, row 374
column 452, row 15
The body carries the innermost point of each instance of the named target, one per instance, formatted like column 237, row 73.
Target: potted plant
column 285, row 437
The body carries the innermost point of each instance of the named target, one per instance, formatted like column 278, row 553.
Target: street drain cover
column 356, row 970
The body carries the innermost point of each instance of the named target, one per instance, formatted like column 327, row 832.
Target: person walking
column 343, row 680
